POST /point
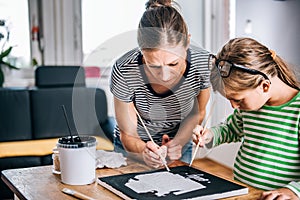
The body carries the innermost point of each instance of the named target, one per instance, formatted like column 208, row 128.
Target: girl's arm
column 229, row 131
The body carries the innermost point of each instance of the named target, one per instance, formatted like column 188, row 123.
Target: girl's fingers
column 195, row 138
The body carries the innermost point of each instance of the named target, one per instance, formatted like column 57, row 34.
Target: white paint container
column 77, row 159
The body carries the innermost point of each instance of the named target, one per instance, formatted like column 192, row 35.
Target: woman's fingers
column 174, row 150
column 162, row 151
column 165, row 139
column 153, row 154
column 150, row 158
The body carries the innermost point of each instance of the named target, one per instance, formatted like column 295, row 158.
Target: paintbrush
column 76, row 194
column 204, row 127
column 162, row 159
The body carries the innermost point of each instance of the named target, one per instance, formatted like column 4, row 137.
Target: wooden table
column 41, row 183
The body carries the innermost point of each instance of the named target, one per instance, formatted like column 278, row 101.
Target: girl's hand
column 153, row 154
column 202, row 136
column 279, row 194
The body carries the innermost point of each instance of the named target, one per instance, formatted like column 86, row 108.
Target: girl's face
column 252, row 99
column 165, row 66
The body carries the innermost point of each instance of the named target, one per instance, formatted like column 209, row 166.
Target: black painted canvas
column 182, row 182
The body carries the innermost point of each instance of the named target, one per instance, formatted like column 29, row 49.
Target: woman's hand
column 154, row 155
column 202, row 136
column 174, row 148
column 279, row 194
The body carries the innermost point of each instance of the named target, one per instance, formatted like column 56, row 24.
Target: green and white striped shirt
column 269, row 157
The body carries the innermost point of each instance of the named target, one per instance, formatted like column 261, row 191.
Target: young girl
column 265, row 96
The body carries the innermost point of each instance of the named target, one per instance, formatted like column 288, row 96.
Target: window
column 15, row 23
column 108, row 29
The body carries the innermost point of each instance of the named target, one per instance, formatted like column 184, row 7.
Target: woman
column 164, row 80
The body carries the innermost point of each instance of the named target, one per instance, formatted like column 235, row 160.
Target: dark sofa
column 32, row 118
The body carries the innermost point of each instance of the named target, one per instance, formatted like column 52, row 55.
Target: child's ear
column 265, row 85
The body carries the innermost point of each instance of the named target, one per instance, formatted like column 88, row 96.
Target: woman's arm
column 203, row 98
column 127, row 122
column 185, row 131
column 137, row 148
column 195, row 117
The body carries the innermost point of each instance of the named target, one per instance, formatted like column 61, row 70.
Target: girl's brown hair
column 161, row 25
column 252, row 54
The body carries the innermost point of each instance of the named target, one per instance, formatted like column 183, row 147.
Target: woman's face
column 165, row 66
column 251, row 99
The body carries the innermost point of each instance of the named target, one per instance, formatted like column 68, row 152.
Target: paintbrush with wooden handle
column 76, row 194
column 204, row 127
column 162, row 159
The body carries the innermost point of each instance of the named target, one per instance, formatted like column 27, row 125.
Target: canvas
column 181, row 182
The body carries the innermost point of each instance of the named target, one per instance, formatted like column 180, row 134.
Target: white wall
column 274, row 23
column 192, row 11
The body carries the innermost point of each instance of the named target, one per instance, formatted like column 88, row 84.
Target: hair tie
column 273, row 54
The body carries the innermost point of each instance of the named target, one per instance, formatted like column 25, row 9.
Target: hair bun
column 273, row 54
column 158, row 3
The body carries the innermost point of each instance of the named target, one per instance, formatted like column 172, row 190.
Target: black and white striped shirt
column 161, row 113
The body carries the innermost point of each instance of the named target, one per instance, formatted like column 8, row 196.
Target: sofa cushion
column 58, row 76
column 15, row 119
column 86, row 109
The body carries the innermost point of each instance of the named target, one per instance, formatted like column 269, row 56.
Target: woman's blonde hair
column 252, row 54
column 161, row 26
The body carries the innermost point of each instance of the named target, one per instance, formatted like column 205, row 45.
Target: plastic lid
column 76, row 142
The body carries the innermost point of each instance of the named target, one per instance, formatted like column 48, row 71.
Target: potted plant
column 5, row 51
